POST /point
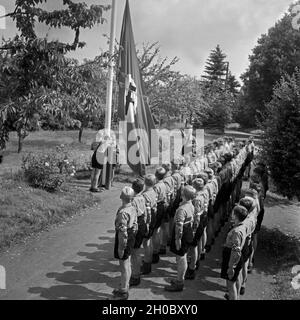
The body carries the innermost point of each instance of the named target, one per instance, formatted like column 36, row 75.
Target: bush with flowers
column 48, row 170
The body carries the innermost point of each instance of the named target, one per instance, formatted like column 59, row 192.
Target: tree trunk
column 20, row 141
column 80, row 134
column 191, row 118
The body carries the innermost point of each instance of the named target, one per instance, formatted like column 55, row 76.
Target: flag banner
column 133, row 107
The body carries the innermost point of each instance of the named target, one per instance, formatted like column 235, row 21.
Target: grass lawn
column 25, row 210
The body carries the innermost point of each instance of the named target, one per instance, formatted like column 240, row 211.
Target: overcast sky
column 188, row 29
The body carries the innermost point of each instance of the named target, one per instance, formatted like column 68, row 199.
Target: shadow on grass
column 283, row 254
column 280, row 249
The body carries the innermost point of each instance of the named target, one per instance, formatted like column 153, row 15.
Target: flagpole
column 107, row 174
column 110, row 81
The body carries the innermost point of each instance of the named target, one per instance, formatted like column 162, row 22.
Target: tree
column 277, row 53
column 31, row 76
column 281, row 146
column 170, row 94
column 232, row 85
column 216, row 67
column 220, row 102
column 160, row 81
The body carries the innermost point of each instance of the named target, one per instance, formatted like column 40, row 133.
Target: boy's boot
column 146, row 268
column 175, row 286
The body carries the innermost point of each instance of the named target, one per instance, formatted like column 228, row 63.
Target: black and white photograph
column 149, row 151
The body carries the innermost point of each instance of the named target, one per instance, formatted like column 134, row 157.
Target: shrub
column 48, row 170
column 281, row 142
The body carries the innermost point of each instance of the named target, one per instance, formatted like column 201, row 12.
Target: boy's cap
column 150, row 180
column 198, row 184
column 209, row 171
column 189, row 192
column 203, row 176
column 240, row 212
column 166, row 166
column 138, row 185
column 127, row 193
column 160, row 173
column 255, row 186
column 250, row 192
column 247, row 202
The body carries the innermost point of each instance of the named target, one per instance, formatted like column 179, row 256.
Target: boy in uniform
column 139, row 203
column 151, row 209
column 250, row 225
column 161, row 190
column 170, row 184
column 232, row 253
column 182, row 237
column 197, row 250
column 178, row 184
column 126, row 228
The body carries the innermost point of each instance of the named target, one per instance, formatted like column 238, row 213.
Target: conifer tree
column 215, row 68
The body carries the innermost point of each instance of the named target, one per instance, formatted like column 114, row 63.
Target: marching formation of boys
column 184, row 207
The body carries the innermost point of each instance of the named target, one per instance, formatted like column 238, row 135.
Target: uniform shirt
column 184, row 215
column 126, row 218
column 151, row 204
column 170, row 183
column 201, row 201
column 178, row 178
column 250, row 222
column 161, row 190
column 139, row 202
column 151, row 198
column 235, row 240
column 210, row 189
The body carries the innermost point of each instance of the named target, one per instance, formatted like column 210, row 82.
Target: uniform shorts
column 95, row 163
column 225, row 263
column 200, row 230
column 247, row 251
column 185, row 243
column 129, row 247
column 141, row 233
column 260, row 219
column 160, row 215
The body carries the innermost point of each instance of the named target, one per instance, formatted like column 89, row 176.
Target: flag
column 133, row 107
